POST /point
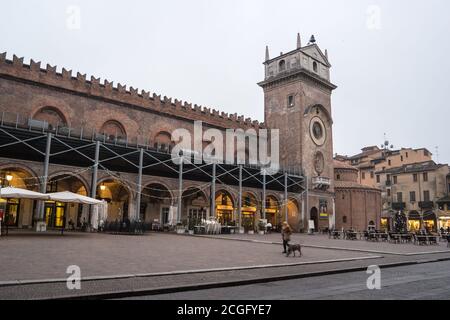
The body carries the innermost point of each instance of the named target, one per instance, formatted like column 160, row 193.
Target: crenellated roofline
column 32, row 72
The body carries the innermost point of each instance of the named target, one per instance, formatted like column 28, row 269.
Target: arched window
column 282, row 65
column 51, row 116
column 315, row 66
column 163, row 142
column 113, row 130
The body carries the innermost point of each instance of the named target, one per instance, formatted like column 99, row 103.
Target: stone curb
column 224, row 284
column 186, row 272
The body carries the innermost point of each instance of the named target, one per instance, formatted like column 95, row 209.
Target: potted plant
column 262, row 227
column 233, row 224
column 191, row 225
column 181, row 229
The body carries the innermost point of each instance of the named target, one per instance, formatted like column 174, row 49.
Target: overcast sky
column 389, row 57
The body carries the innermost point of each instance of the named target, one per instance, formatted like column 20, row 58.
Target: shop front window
column 12, row 212
column 413, row 225
column 55, row 214
column 384, row 224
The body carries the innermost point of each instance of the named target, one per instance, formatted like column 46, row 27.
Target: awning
column 16, row 193
column 70, row 197
column 388, row 214
column 444, row 215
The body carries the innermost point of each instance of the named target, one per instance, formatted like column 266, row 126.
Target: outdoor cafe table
column 351, row 235
column 228, row 230
column 399, row 237
column 425, row 239
column 335, row 234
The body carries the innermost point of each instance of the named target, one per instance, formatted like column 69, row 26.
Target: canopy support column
column 139, row 185
column 213, row 191
column 264, row 196
column 286, row 209
column 94, row 178
column 180, row 190
column 45, row 177
column 240, row 197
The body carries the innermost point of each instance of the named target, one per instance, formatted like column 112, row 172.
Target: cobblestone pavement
column 33, row 256
column 427, row 281
column 360, row 245
column 47, row 256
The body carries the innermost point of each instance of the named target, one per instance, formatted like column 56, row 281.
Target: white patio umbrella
column 17, row 193
column 70, row 197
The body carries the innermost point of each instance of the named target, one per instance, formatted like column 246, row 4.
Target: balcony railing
column 426, row 204
column 321, row 183
column 398, row 205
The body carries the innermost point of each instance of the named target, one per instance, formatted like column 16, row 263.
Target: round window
column 317, row 131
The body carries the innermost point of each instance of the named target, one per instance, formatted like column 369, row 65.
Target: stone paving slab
column 323, row 241
column 138, row 286
column 47, row 256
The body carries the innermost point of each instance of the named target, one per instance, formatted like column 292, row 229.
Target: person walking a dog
column 286, row 232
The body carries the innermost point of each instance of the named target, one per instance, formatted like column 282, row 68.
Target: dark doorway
column 315, row 217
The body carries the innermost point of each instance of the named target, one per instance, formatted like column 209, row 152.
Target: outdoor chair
column 384, row 237
column 432, row 240
column 421, row 240
column 366, row 235
column 394, row 237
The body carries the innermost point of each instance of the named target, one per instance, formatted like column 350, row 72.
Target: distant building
column 358, row 206
column 411, row 182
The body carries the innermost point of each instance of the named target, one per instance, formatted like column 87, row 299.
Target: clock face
column 317, row 131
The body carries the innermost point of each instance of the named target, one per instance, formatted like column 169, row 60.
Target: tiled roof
column 342, row 165
column 352, row 185
column 414, row 167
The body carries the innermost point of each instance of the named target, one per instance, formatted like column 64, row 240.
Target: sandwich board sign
column 312, row 225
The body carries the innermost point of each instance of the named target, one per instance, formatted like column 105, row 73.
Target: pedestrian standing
column 286, row 232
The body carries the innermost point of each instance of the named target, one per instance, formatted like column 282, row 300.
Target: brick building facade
column 358, row 207
column 297, row 91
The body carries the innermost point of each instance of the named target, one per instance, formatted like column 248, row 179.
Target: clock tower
column 297, row 99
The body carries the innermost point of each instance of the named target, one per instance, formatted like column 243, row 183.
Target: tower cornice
column 298, row 72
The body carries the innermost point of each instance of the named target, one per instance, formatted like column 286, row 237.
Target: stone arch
column 317, row 108
column 256, row 199
column 156, row 201
column 83, row 181
column 59, row 215
column 51, row 115
column 119, row 196
column 162, row 141
column 226, row 206
column 274, row 214
column 293, row 207
column 250, row 210
column 18, row 212
column 195, row 205
column 26, row 171
column 113, row 130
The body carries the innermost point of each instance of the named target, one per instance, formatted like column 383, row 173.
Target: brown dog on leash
column 292, row 248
